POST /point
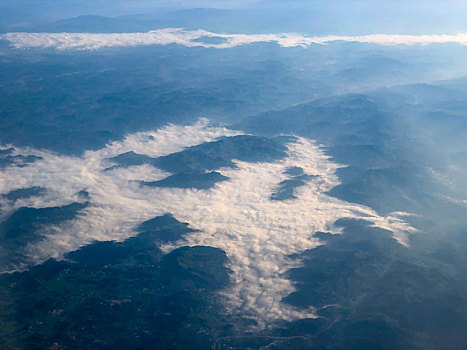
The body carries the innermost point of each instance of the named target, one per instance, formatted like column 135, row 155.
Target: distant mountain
column 95, row 24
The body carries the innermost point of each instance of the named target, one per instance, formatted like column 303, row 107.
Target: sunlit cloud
column 194, row 38
column 258, row 234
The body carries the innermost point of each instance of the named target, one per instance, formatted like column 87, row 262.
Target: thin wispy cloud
column 194, row 38
column 258, row 234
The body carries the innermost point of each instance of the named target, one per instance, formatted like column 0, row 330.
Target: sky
column 258, row 235
column 335, row 17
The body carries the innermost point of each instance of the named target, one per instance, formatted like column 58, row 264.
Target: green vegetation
column 35, row 191
column 117, row 295
column 25, row 226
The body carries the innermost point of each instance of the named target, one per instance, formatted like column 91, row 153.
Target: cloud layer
column 257, row 233
column 194, row 38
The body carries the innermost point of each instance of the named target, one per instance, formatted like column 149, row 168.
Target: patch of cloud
column 203, row 38
column 64, row 177
column 258, row 234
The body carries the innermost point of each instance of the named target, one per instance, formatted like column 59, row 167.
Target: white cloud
column 94, row 41
column 257, row 234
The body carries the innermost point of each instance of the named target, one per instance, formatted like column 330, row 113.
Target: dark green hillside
column 117, row 295
column 35, row 191
column 24, row 227
column 193, row 167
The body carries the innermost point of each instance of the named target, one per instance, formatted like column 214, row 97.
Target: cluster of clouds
column 194, row 38
column 258, row 234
